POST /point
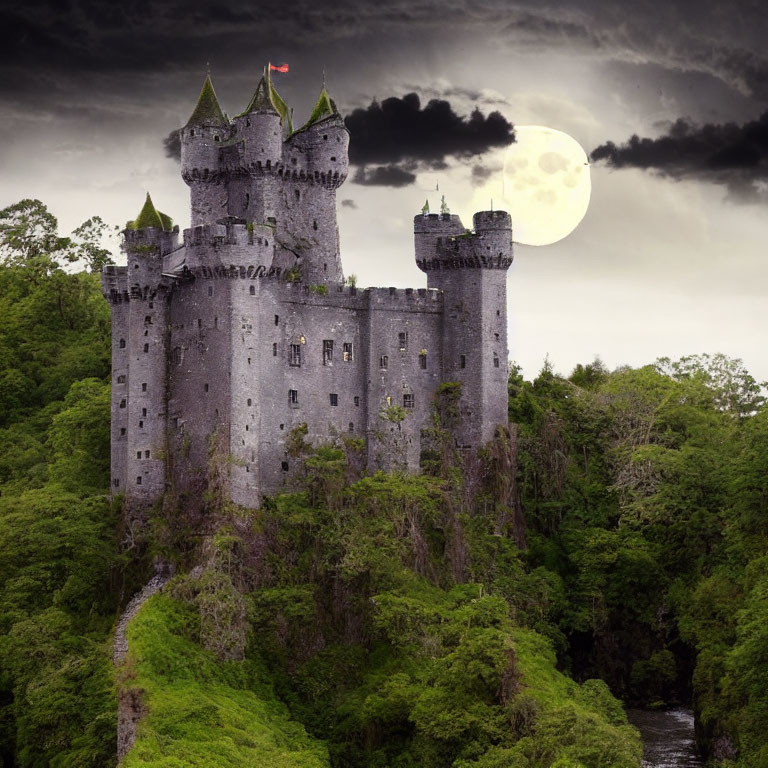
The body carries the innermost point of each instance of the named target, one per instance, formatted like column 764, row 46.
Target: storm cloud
column 729, row 154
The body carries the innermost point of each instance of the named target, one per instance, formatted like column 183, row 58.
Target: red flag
column 281, row 68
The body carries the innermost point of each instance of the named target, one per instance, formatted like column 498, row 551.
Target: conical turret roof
column 207, row 110
column 266, row 99
column 149, row 216
column 324, row 107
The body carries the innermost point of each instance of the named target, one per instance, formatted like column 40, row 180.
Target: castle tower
column 201, row 141
column 316, row 165
column 146, row 241
column 471, row 271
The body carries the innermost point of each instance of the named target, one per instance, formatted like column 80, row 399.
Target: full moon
column 544, row 185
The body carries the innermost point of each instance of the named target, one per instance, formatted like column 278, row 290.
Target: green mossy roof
column 149, row 216
column 266, row 99
column 207, row 110
column 323, row 108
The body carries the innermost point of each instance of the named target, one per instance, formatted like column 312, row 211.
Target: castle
column 246, row 328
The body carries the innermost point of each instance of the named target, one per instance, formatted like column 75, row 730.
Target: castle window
column 138, row 480
column 199, row 323
column 122, row 403
column 248, row 121
column 246, row 428
column 495, row 360
column 176, row 356
column 325, row 267
column 151, row 304
column 284, row 466
column 217, row 413
column 463, row 361
column 252, row 290
column 293, row 396
column 282, row 426
column 215, row 322
column 210, row 290
column 384, row 362
column 216, row 137
column 347, row 352
column 498, row 312
column 249, row 361
column 325, row 137
column 407, row 401
column 141, row 425
column 146, row 454
column 296, row 192
column 247, row 198
column 116, row 483
column 351, row 426
column 294, row 358
column 497, row 336
column 357, row 401
column 274, row 350
column 249, row 401
column 205, row 387
column 122, row 431
column 333, row 159
column 334, row 398
column 175, row 422
column 402, row 340
column 423, row 361
column 122, row 343
column 148, row 320
column 136, row 265
column 327, row 352
column 314, row 224
column 146, row 333
column 277, row 319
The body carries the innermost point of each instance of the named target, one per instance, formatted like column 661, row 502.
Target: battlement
column 485, row 221
column 437, row 223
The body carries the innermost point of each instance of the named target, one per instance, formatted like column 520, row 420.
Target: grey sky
column 659, row 266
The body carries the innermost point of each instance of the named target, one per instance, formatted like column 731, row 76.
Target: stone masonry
column 227, row 340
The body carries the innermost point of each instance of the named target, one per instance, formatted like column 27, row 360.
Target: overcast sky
column 671, row 256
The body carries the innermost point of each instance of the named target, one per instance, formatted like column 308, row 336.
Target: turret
column 470, row 268
column 147, row 239
column 201, row 141
column 322, row 144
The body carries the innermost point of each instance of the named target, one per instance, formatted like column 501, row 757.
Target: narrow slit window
column 122, row 431
column 141, row 425
column 274, row 350
column 347, row 352
column 148, row 320
column 293, row 396
column 423, row 361
column 463, row 361
column 357, row 401
column 122, row 343
column 351, row 426
column 210, row 290
column 327, row 352
column 144, row 387
column 277, row 319
column 384, row 362
column 146, row 347
column 402, row 340
column 284, row 466
column 205, row 387
column 144, row 412
column 138, row 480
column 252, row 290
column 408, row 401
column 146, row 454
column 495, row 360
column 249, row 401
column 122, row 403
column 295, row 355
column 199, row 323
column 334, row 398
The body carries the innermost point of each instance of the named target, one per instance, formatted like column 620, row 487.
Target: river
column 668, row 740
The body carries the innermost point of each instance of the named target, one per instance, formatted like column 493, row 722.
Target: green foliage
column 202, row 711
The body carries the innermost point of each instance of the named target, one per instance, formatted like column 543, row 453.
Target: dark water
column 668, row 740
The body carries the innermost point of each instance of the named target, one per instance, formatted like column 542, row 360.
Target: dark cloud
column 729, row 154
column 399, row 130
column 172, row 144
column 348, row 203
column 482, row 172
column 384, row 176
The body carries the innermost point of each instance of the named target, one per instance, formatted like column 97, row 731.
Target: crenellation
column 246, row 330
